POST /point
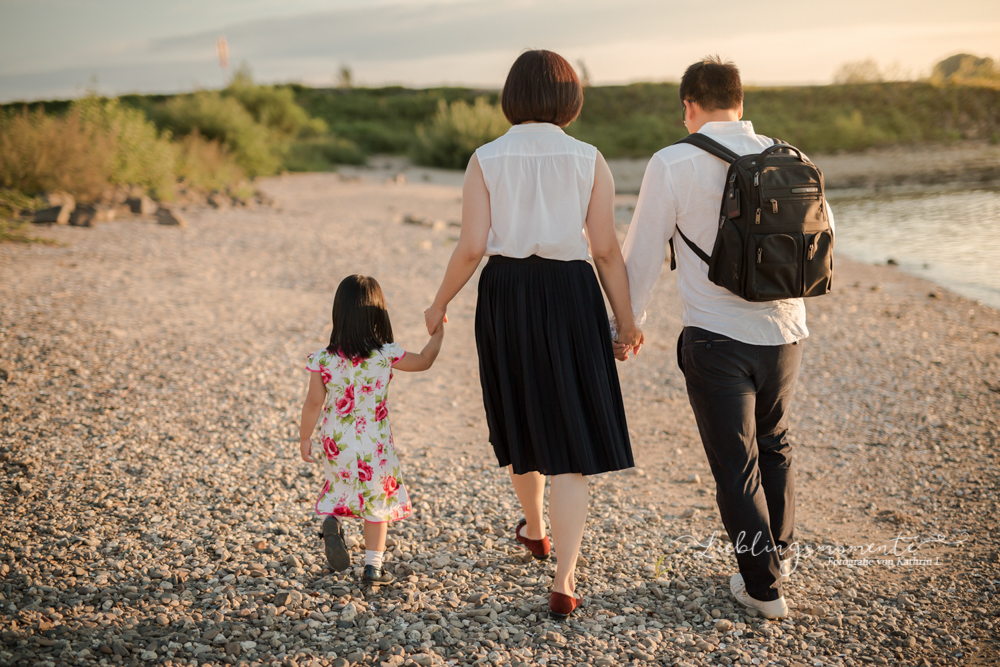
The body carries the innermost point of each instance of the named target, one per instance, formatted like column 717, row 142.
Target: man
column 740, row 359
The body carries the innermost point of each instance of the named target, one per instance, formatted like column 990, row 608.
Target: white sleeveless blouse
column 539, row 179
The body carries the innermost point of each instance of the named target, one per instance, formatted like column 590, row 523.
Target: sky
column 62, row 48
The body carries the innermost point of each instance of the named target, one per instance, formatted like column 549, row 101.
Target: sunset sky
column 58, row 48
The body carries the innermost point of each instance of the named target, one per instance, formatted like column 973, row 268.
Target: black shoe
column 335, row 546
column 379, row 577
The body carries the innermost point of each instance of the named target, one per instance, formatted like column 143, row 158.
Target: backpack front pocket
column 817, row 264
column 776, row 267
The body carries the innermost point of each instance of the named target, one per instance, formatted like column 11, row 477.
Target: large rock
column 167, row 216
column 89, row 216
column 142, row 205
column 54, row 214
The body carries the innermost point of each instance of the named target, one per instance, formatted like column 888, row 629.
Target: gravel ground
column 155, row 510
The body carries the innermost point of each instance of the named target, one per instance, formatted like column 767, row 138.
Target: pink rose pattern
column 360, row 465
column 330, row 448
column 345, row 404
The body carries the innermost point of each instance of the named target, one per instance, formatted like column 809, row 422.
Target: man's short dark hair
column 713, row 84
column 543, row 87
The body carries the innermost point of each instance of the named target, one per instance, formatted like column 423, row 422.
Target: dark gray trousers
column 741, row 394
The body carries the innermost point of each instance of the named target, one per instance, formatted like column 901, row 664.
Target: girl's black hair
column 360, row 319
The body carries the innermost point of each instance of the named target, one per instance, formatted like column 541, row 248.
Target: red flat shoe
column 562, row 605
column 540, row 549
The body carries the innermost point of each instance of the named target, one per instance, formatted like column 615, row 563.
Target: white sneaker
column 771, row 609
column 786, row 569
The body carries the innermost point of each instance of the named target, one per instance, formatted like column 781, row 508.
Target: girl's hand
column 434, row 317
column 305, row 449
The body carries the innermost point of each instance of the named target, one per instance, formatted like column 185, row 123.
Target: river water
column 951, row 237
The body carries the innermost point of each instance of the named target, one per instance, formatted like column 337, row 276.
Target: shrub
column 139, row 156
column 224, row 119
column 322, row 153
column 98, row 143
column 456, row 131
column 274, row 108
column 206, row 165
column 13, row 230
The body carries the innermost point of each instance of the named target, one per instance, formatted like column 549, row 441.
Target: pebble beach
column 156, row 511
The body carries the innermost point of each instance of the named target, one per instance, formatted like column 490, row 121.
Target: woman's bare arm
column 607, row 254
column 471, row 244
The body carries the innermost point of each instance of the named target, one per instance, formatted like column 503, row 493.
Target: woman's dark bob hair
column 360, row 319
column 542, row 87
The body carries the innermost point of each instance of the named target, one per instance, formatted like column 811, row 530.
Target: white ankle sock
column 373, row 558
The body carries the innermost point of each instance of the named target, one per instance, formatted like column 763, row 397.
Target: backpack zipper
column 774, row 206
column 760, row 251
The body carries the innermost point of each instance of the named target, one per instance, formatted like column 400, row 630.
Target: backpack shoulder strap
column 698, row 251
column 709, row 145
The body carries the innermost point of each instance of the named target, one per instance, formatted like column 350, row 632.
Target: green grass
column 638, row 119
column 344, row 125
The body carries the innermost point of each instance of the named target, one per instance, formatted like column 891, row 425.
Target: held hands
column 305, row 449
column 434, row 317
column 631, row 339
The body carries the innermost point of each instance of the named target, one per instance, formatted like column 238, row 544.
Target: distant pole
column 222, row 49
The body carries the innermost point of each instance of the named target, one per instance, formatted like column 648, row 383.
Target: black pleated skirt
column 547, row 367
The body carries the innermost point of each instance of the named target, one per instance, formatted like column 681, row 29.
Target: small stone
column 142, row 205
column 910, row 642
column 440, row 561
column 581, row 561
column 341, row 662
column 356, row 656
column 694, row 479
column 349, row 613
column 161, row 619
column 148, row 656
column 233, row 648
column 723, row 625
column 166, row 216
column 476, row 598
column 293, row 561
column 423, row 660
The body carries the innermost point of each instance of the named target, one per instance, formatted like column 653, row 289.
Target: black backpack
column 774, row 240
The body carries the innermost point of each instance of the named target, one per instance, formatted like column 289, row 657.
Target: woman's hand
column 434, row 317
column 305, row 449
column 630, row 338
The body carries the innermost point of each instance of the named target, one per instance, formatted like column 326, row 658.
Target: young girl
column 349, row 387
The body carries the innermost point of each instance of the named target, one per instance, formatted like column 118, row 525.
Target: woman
column 532, row 200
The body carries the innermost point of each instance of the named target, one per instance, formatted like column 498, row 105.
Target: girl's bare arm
column 311, row 410
column 421, row 361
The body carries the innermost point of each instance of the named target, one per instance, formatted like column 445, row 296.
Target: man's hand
column 631, row 339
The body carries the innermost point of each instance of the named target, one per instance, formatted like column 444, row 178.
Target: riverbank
column 897, row 169
column 150, row 382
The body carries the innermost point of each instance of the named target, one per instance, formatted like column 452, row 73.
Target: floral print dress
column 359, row 458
